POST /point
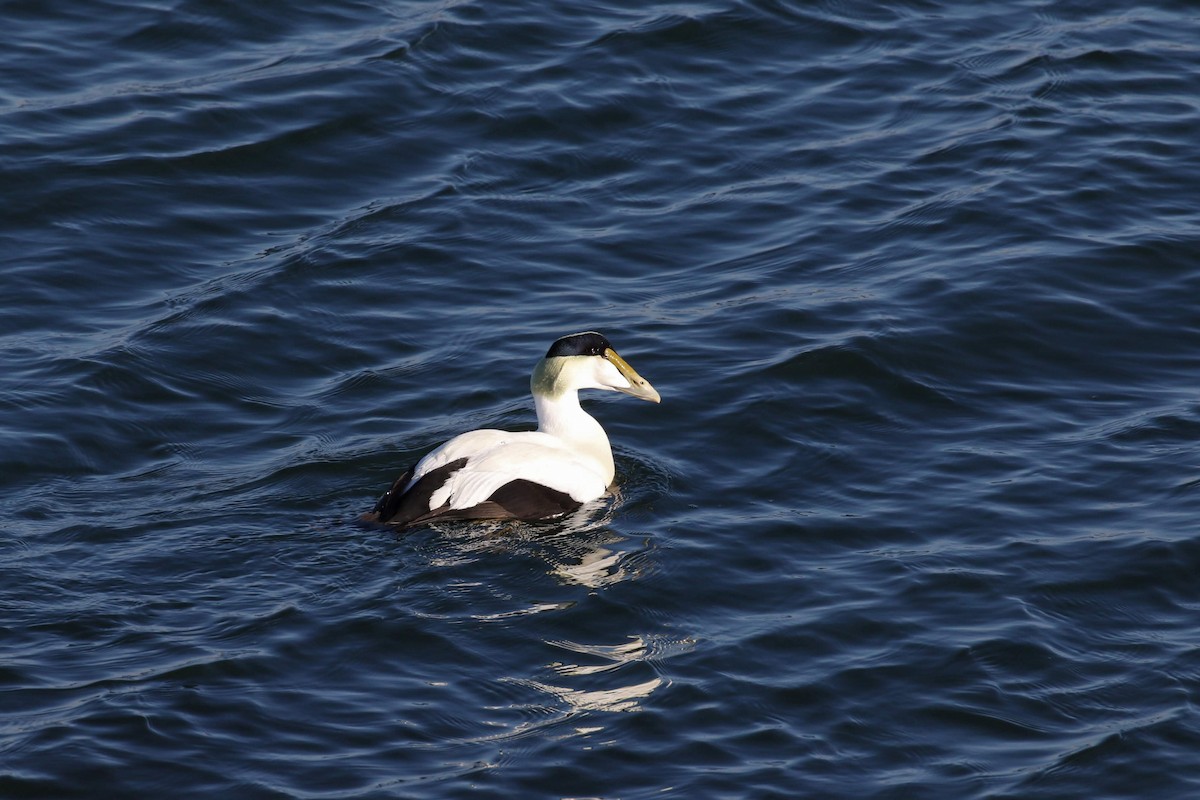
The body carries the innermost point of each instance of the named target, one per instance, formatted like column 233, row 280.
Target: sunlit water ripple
column 918, row 284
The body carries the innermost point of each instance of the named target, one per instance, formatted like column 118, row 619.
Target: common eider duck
column 530, row 475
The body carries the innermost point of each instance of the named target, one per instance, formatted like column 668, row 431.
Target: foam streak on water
column 918, row 283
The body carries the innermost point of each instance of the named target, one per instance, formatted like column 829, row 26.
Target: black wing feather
column 518, row 499
column 398, row 507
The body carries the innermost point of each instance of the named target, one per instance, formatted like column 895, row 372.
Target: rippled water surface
column 919, row 283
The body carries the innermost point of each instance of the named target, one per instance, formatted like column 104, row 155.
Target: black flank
column 519, row 499
column 398, row 507
column 526, row 500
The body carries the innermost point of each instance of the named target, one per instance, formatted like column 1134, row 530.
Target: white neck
column 563, row 417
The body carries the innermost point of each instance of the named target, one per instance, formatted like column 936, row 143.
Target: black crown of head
column 588, row 343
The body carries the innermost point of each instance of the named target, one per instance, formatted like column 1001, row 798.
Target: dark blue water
column 919, row 283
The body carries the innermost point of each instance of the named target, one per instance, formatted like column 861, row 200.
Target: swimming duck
column 529, row 475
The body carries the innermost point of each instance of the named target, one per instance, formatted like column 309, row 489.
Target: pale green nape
column 545, row 379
